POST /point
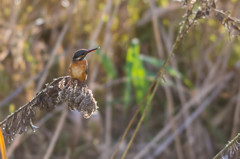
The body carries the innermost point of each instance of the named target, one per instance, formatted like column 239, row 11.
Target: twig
column 108, row 123
column 236, row 115
column 18, row 90
column 14, row 14
column 182, row 31
column 180, row 90
column 156, row 30
column 56, row 134
column 159, row 74
column 141, row 120
column 51, row 58
column 135, row 115
column 159, row 13
column 50, row 115
column 68, row 153
column 170, row 109
column 236, row 138
column 54, row 51
column 95, row 34
column 17, row 140
column 193, row 101
column 167, row 90
column 222, row 115
column 216, row 69
column 191, row 118
column 107, row 45
column 91, row 8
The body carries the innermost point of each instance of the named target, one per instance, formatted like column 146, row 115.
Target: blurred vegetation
column 120, row 74
column 136, row 73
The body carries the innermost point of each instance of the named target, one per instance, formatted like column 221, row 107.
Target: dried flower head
column 64, row 89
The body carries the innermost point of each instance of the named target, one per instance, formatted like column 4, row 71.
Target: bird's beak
column 91, row 50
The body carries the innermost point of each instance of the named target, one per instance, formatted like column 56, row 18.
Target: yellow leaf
column 213, row 37
column 12, row 108
column 105, row 17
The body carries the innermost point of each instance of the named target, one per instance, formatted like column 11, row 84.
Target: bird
column 79, row 66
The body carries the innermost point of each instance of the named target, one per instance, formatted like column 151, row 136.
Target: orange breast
column 78, row 70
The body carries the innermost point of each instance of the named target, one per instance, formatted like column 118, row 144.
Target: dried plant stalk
column 231, row 149
column 208, row 8
column 64, row 89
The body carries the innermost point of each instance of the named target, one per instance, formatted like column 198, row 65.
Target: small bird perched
column 79, row 67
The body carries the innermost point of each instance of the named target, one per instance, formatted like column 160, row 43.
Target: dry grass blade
column 231, row 148
column 193, row 116
column 57, row 44
column 64, row 89
column 18, row 140
column 167, row 90
column 56, row 134
column 231, row 23
column 164, row 131
column 160, row 74
column 135, row 115
column 18, row 90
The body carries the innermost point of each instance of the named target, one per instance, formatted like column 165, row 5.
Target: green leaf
column 135, row 72
column 188, row 83
column 108, row 66
column 173, row 72
column 153, row 61
column 158, row 63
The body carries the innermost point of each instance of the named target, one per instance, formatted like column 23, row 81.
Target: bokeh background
column 38, row 39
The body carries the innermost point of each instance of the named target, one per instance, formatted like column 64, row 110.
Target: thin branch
column 17, row 140
column 141, row 120
column 135, row 114
column 15, row 8
column 236, row 115
column 156, row 30
column 191, row 118
column 18, row 90
column 159, row 13
column 93, row 38
column 170, row 109
column 56, row 134
column 180, row 89
column 170, row 105
column 97, row 30
column 233, row 141
column 54, row 51
column 166, row 129
column 107, row 45
column 160, row 74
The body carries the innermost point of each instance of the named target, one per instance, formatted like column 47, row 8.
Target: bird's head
column 81, row 54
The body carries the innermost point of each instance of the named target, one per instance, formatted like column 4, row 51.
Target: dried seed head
column 64, row 89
